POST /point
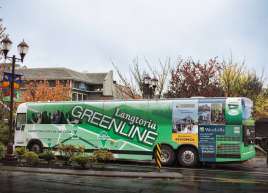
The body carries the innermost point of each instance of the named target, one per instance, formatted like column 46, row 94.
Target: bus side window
column 36, row 118
column 20, row 121
column 55, row 117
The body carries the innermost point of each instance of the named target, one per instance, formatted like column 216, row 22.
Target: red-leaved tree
column 190, row 78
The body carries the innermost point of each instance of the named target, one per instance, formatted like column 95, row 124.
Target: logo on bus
column 103, row 137
column 120, row 123
column 233, row 112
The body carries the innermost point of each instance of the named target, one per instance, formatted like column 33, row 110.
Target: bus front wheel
column 35, row 147
column 188, row 156
column 167, row 155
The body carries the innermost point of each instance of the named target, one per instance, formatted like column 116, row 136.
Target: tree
column 3, row 133
column 230, row 78
column 3, row 107
column 236, row 80
column 252, row 85
column 132, row 85
column 261, row 105
column 2, row 33
column 190, row 78
column 41, row 91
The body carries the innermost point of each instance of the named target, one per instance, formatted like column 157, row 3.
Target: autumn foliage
column 190, row 78
column 41, row 91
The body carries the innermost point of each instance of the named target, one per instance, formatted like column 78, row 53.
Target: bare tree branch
column 138, row 71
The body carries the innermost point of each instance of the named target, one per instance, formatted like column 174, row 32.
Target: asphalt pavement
column 220, row 178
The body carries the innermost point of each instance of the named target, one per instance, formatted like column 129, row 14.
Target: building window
column 63, row 82
column 96, row 88
column 52, row 83
column 74, row 96
column 76, row 84
column 84, row 97
column 80, row 96
column 82, row 86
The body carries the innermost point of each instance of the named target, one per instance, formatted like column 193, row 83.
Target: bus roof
column 122, row 100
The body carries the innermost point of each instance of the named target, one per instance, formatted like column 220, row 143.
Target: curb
column 169, row 175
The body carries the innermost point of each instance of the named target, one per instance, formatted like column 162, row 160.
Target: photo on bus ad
column 185, row 117
column 210, row 113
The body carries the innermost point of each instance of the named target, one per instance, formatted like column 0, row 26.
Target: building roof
column 61, row 74
column 96, row 78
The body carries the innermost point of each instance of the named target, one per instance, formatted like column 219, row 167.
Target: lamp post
column 22, row 49
column 149, row 85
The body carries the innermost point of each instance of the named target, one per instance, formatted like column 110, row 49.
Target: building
column 83, row 86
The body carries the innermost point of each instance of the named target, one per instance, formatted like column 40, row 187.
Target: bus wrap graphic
column 207, row 141
column 131, row 129
column 128, row 126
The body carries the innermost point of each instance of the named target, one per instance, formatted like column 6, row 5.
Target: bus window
column 21, row 121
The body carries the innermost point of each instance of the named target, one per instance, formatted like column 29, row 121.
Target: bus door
column 19, row 128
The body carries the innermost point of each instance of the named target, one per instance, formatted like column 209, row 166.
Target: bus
column 189, row 130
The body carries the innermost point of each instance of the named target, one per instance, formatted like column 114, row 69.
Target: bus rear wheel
column 188, row 156
column 167, row 155
column 35, row 147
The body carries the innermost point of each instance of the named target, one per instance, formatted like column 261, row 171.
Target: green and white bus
column 190, row 130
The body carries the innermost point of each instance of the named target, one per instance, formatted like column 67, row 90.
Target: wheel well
column 187, row 145
column 165, row 145
column 34, row 141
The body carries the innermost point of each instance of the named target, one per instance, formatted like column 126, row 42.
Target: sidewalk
column 257, row 162
column 93, row 173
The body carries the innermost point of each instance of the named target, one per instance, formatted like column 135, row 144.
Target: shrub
column 103, row 155
column 80, row 149
column 20, row 151
column 4, row 133
column 31, row 158
column 2, row 151
column 67, row 152
column 82, row 160
column 47, row 155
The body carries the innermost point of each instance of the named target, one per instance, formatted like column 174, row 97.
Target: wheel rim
column 35, row 148
column 188, row 157
column 164, row 157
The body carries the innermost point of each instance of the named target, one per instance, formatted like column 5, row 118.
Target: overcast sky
column 87, row 35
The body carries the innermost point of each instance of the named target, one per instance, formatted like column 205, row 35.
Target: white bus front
column 20, row 135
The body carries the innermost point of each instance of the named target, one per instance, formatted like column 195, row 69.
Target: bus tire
column 188, row 156
column 167, row 155
column 35, row 146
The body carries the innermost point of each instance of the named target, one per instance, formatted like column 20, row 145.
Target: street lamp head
column 154, row 82
column 147, row 80
column 6, row 46
column 23, row 49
